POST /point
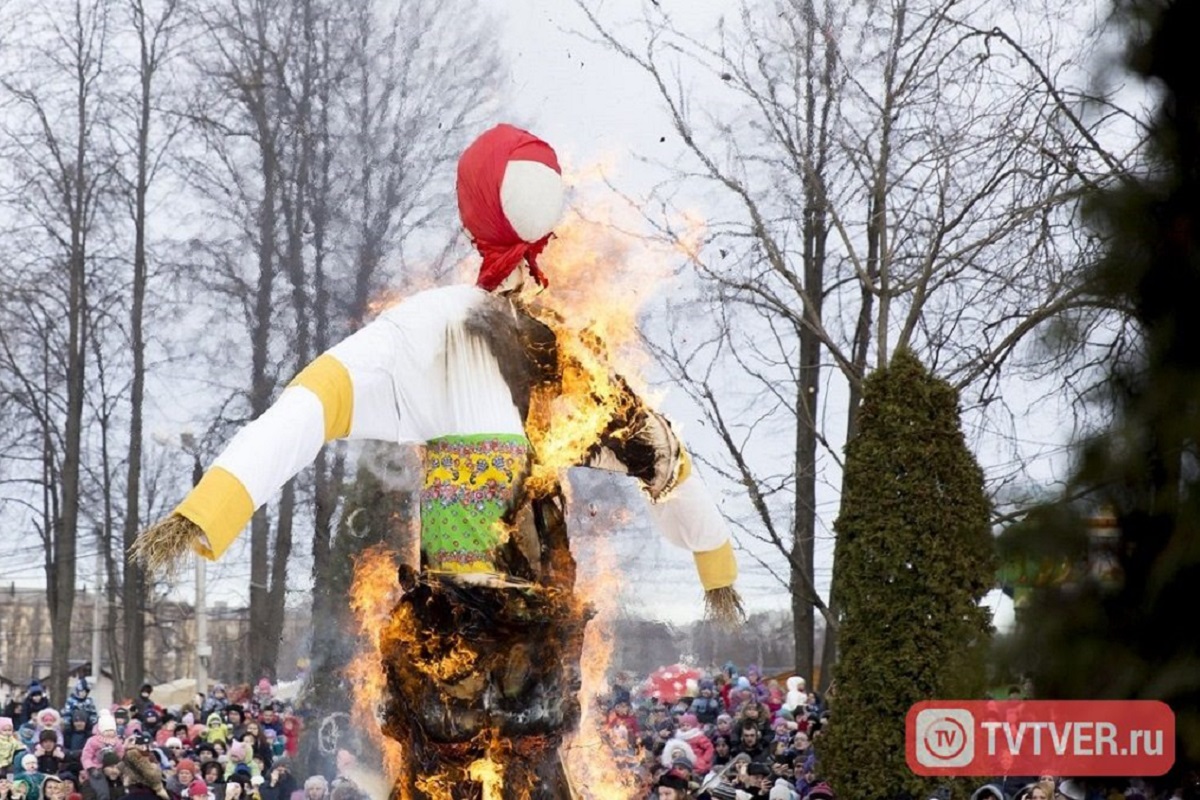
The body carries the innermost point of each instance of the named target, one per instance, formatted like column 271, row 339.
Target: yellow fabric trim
column 685, row 466
column 717, row 568
column 221, row 507
column 329, row 380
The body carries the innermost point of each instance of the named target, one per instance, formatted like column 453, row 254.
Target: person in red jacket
column 689, row 730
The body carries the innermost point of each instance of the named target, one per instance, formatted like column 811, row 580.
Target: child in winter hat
column 9, row 743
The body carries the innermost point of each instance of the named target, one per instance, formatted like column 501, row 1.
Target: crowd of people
column 728, row 735
column 217, row 748
column 735, row 734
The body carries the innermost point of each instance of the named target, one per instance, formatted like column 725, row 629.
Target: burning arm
column 641, row 442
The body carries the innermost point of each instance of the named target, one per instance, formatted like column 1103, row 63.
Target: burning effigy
column 477, row 639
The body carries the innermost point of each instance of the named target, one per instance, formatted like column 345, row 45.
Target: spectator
column 316, row 788
column 235, row 722
column 216, row 729
column 35, row 701
column 185, row 773
column 821, row 791
column 48, row 719
column 707, row 707
column 689, row 731
column 10, row 745
column 796, row 697
column 70, row 781
column 49, row 752
column 104, row 782
column 292, row 728
column 205, row 753
column 143, row 778
column 143, row 701
column 196, row 790
column 270, row 720
column 216, row 701
column 121, row 716
column 213, row 774
column 5, row 784
column 750, row 742
column 151, row 720
column 53, row 789
column 30, row 774
column 672, row 786
column 279, row 784
column 81, row 701
column 76, row 736
column 105, row 738
column 722, row 754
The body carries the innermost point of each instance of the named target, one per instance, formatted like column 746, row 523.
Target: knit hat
column 109, row 758
column 510, row 197
column 197, row 788
column 80, row 714
column 107, row 723
column 35, row 687
column 139, row 770
column 681, row 763
column 672, row 780
column 82, row 687
column 689, row 719
column 172, row 742
column 237, row 752
column 186, row 764
column 781, row 790
column 821, row 791
column 29, row 762
column 6, row 725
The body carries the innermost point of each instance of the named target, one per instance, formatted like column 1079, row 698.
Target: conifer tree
column 1134, row 637
column 915, row 557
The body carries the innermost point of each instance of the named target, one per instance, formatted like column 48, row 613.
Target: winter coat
column 706, row 709
column 99, row 787
column 701, row 746
column 94, row 749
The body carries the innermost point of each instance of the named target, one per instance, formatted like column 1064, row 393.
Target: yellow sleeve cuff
column 717, row 568
column 329, row 380
column 220, row 506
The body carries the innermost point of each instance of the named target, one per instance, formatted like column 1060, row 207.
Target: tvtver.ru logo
column 945, row 737
column 1039, row 737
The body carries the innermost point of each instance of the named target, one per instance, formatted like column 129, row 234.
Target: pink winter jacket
column 94, row 748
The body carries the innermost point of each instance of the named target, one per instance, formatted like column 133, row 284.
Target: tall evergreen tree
column 915, row 557
column 1131, row 638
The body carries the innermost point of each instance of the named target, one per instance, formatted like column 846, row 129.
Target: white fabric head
column 531, row 196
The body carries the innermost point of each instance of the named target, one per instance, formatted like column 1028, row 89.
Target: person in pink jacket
column 690, row 731
column 105, row 738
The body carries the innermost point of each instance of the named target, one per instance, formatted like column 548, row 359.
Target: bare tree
column 333, row 127
column 891, row 176
column 61, row 171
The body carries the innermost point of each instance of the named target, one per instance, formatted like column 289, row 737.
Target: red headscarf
column 481, row 171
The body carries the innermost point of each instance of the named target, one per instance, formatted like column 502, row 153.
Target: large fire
column 600, row 275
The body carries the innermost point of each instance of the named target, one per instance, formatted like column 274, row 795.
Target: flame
column 372, row 597
column 601, row 274
column 587, row 754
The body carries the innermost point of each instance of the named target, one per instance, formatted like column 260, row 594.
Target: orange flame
column 600, row 275
column 587, row 753
column 372, row 597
